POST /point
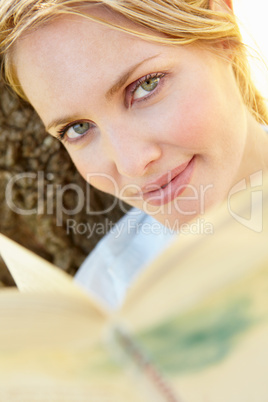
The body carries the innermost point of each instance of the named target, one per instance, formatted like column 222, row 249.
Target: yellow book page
column 34, row 274
column 193, row 328
column 53, row 347
column 200, row 312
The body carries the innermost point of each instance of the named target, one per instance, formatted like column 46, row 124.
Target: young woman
column 153, row 100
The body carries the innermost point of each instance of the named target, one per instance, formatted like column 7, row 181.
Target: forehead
column 71, row 49
column 70, row 27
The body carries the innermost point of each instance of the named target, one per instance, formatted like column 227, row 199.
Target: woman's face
column 161, row 127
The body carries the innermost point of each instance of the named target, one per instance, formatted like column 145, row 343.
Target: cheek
column 104, row 182
column 196, row 119
column 188, row 125
column 94, row 170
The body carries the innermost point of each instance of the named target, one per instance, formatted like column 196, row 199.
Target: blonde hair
column 181, row 21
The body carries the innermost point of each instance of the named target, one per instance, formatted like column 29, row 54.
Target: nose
column 133, row 153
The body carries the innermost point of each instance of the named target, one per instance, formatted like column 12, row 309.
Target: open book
column 194, row 326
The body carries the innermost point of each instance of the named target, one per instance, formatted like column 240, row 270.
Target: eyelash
column 141, row 81
column 61, row 133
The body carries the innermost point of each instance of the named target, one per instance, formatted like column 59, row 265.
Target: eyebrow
column 109, row 94
column 124, row 78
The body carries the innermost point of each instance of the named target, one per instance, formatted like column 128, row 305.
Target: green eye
column 81, row 128
column 77, row 130
column 145, row 87
column 150, row 84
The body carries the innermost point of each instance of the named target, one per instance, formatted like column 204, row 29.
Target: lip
column 175, row 182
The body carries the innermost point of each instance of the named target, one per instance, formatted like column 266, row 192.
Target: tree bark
column 35, row 173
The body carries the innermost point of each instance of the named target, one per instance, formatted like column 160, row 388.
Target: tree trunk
column 45, row 204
